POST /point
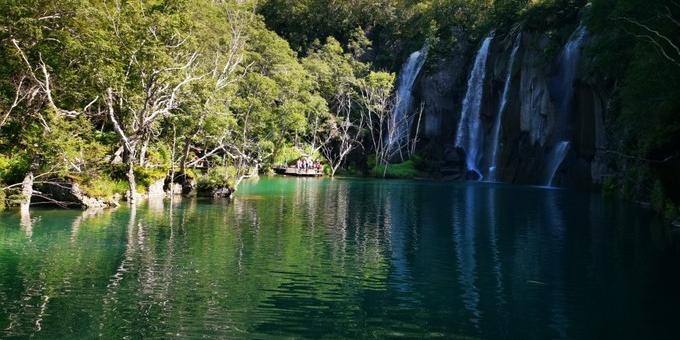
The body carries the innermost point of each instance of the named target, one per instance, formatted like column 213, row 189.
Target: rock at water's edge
column 215, row 192
column 70, row 194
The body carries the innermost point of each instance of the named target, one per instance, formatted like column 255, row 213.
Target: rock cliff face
column 535, row 119
column 530, row 117
column 441, row 90
column 70, row 194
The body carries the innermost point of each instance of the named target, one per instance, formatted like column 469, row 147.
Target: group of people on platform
column 308, row 164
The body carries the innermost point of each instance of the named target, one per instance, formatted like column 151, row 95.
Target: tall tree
column 376, row 102
column 42, row 123
column 144, row 56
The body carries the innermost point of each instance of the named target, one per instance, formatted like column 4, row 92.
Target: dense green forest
column 115, row 94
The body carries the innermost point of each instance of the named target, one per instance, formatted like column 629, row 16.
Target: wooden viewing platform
column 293, row 171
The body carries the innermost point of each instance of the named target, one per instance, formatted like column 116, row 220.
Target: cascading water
column 495, row 138
column 470, row 135
column 401, row 121
column 562, row 86
column 555, row 158
column 562, row 90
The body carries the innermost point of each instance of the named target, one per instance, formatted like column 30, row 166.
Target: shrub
column 217, row 177
column 13, row 170
column 287, row 153
column 103, row 187
column 145, row 176
column 609, row 187
column 103, row 184
column 159, row 155
column 657, row 197
column 671, row 211
column 400, row 170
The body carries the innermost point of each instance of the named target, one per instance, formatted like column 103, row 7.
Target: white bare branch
column 48, row 17
column 19, row 96
column 116, row 126
column 668, row 49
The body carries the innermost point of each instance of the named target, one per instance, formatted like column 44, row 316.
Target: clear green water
column 302, row 258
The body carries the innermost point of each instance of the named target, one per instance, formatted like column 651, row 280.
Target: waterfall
column 495, row 140
column 401, row 121
column 562, row 90
column 470, row 135
column 555, row 158
column 562, row 87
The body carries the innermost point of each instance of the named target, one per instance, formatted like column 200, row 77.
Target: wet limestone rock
column 441, row 88
column 537, row 113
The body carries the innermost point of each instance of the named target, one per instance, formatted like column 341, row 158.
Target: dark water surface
column 301, row 258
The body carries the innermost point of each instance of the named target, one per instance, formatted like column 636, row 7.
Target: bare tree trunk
column 185, row 155
column 26, row 192
column 172, row 166
column 412, row 142
column 144, row 148
column 131, row 180
column 129, row 149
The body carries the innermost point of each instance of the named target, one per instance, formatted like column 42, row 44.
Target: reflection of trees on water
column 141, row 290
column 110, row 300
column 87, row 214
column 49, row 266
column 366, row 259
column 26, row 223
column 336, row 215
column 25, row 314
column 401, row 238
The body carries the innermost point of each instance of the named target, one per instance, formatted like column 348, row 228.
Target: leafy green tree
column 292, row 19
column 42, row 126
column 635, row 55
column 336, row 75
column 272, row 104
column 376, row 103
column 203, row 122
column 143, row 57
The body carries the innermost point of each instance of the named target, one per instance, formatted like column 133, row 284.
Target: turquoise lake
column 304, row 258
